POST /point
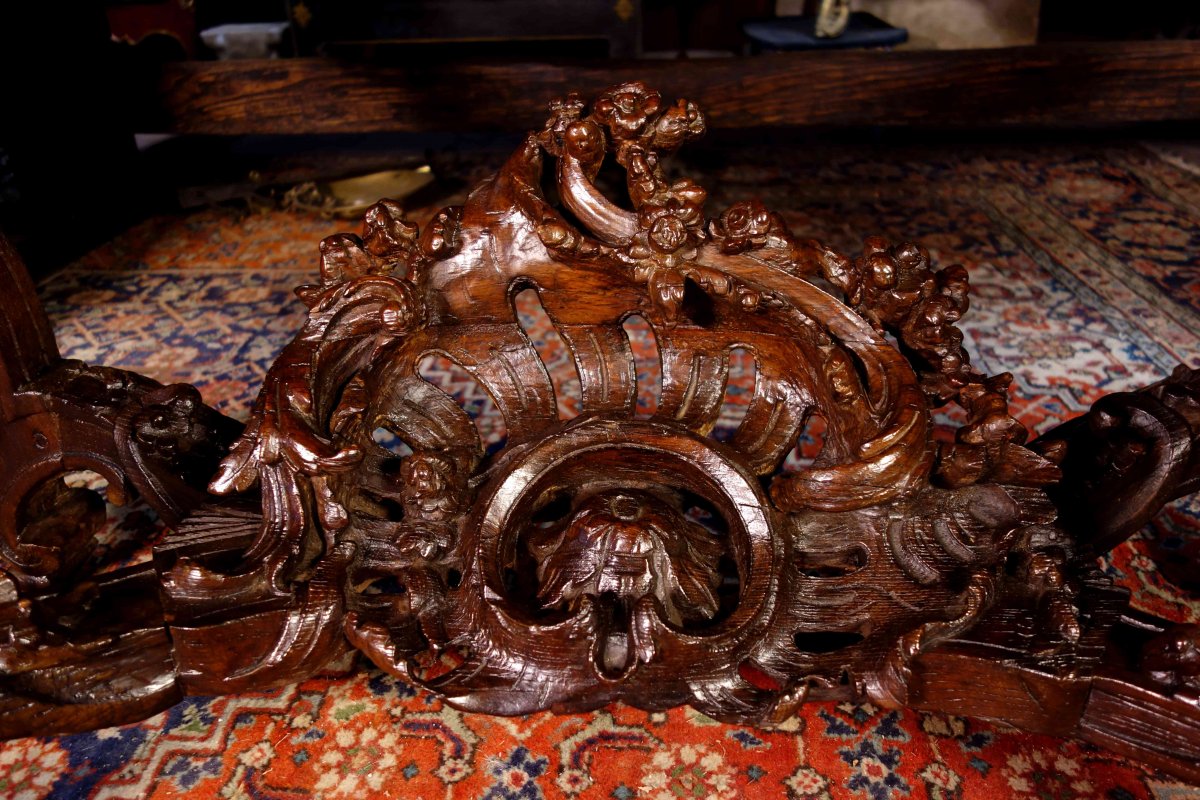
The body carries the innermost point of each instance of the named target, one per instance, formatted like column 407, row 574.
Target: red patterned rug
column 1085, row 263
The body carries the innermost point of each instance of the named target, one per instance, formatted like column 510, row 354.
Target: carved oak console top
column 612, row 556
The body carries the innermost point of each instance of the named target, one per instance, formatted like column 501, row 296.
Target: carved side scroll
column 78, row 648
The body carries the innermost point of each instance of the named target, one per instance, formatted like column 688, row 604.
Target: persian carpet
column 1085, row 266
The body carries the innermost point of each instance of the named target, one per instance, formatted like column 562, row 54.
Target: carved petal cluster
column 631, row 547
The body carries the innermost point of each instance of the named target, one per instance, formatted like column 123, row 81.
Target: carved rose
column 387, row 235
column 749, row 218
column 344, row 259
column 625, row 108
column 749, row 225
column 668, row 232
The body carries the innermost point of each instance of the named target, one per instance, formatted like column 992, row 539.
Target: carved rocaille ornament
column 612, row 556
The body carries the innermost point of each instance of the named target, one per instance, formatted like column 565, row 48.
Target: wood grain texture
column 1047, row 85
column 607, row 556
column 1139, row 721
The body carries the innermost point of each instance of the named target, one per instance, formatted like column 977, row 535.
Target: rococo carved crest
column 569, row 568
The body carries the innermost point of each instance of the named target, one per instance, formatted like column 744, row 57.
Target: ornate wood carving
column 608, row 556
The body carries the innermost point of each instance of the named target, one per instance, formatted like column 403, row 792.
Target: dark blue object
column 798, row 33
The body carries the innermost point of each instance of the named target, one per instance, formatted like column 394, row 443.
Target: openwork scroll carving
column 611, row 557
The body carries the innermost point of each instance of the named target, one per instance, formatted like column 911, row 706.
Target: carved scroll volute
column 631, row 628
column 144, row 439
column 84, row 644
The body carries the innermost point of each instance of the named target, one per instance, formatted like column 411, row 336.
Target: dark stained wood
column 1048, row 85
column 83, row 650
column 27, row 343
column 1141, row 722
column 1130, row 455
column 610, row 556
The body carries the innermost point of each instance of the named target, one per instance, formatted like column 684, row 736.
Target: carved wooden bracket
column 569, row 568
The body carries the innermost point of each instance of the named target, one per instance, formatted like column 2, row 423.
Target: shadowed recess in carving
column 391, row 442
column 62, row 516
column 83, row 501
column 386, row 508
column 698, row 305
column 728, row 591
column 388, row 585
column 612, row 181
column 739, row 389
column 809, row 443
column 820, row 642
column 699, row 510
column 648, row 363
column 860, row 369
column 380, row 495
column 520, row 577
column 831, row 563
column 471, row 396
column 614, row 654
column 550, row 509
column 552, row 350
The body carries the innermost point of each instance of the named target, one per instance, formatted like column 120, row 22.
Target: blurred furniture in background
column 165, row 27
column 1115, row 20
column 856, row 29
column 245, row 39
column 948, row 24
column 407, row 67
column 413, row 29
column 1062, row 85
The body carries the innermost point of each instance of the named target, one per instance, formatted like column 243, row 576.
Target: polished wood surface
column 614, row 555
column 1059, row 85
